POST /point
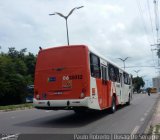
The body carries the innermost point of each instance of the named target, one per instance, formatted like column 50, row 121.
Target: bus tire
column 113, row 107
column 129, row 100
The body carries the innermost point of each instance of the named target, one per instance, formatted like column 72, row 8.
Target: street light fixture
column 66, row 19
column 137, row 71
column 123, row 60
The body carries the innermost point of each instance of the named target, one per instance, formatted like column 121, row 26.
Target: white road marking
column 47, row 111
column 10, row 136
column 142, row 119
column 13, row 117
column 135, row 130
column 147, row 111
column 145, row 114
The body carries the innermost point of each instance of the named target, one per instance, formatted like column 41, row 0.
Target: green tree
column 30, row 61
column 138, row 83
column 16, row 72
column 12, row 52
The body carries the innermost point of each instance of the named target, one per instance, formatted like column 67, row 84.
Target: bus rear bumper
column 61, row 104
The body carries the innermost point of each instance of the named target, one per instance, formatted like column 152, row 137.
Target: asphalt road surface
column 126, row 120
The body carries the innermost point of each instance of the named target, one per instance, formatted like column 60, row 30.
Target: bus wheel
column 113, row 107
column 129, row 100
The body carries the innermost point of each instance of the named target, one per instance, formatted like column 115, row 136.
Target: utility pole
column 156, row 12
column 158, row 71
column 156, row 49
column 156, row 17
column 158, row 52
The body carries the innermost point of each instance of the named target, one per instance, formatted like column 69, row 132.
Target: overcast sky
column 115, row 28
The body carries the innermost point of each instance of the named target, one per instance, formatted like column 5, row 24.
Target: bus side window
column 104, row 73
column 126, row 78
column 95, row 66
column 120, row 77
column 111, row 72
column 117, row 74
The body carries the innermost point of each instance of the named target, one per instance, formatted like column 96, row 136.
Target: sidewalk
column 155, row 121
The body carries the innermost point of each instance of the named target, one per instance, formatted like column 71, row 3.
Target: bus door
column 105, row 95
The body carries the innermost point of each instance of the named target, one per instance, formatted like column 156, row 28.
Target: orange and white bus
column 76, row 78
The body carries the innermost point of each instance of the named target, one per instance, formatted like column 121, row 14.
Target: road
column 126, row 120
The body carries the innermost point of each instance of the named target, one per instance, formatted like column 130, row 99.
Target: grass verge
column 155, row 129
column 16, row 107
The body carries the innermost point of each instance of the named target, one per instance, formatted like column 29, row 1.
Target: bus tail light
column 82, row 95
column 93, row 91
column 37, row 95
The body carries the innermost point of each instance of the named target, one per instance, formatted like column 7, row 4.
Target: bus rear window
column 62, row 57
column 95, row 66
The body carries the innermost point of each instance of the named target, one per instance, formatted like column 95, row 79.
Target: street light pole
column 67, row 32
column 123, row 60
column 143, row 76
column 66, row 19
column 147, row 83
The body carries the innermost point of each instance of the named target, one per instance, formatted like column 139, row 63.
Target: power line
column 151, row 23
column 157, row 26
column 145, row 27
column 150, row 18
column 143, row 21
column 138, row 66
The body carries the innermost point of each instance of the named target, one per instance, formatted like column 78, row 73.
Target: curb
column 150, row 127
column 23, row 108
